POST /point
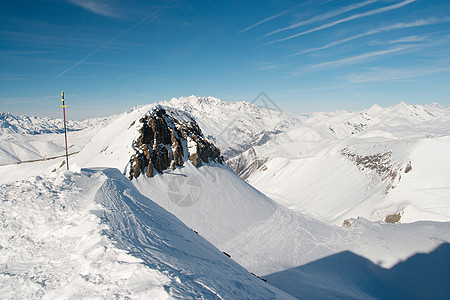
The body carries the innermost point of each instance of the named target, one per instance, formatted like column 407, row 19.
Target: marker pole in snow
column 65, row 128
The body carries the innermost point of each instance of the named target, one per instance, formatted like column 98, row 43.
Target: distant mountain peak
column 195, row 100
column 375, row 109
column 168, row 139
column 10, row 123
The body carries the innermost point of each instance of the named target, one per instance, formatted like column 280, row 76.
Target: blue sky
column 109, row 55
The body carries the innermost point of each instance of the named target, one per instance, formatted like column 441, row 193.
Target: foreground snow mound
column 92, row 234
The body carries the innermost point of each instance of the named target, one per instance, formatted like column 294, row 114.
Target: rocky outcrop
column 167, row 140
column 246, row 163
column 393, row 218
column 382, row 165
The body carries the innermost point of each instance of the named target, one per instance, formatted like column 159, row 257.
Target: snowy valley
column 337, row 205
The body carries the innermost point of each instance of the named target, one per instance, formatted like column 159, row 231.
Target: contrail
column 323, row 16
column 397, row 26
column 353, row 17
column 110, row 41
column 263, row 21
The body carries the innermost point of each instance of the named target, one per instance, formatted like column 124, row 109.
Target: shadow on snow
column 347, row 275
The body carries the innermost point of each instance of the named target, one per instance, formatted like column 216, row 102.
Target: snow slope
column 261, row 235
column 368, row 177
column 114, row 146
column 343, row 165
column 92, row 234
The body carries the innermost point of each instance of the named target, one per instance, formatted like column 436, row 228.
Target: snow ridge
column 92, row 234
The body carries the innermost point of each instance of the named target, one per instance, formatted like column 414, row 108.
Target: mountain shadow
column 348, row 276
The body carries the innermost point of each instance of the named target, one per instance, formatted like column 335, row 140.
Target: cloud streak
column 375, row 31
column 99, row 7
column 350, row 18
column 406, row 39
column 390, row 75
column 83, row 60
column 323, row 16
column 263, row 21
column 354, row 59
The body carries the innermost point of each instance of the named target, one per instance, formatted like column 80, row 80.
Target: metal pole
column 65, row 128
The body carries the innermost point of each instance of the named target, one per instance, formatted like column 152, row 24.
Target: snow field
column 52, row 246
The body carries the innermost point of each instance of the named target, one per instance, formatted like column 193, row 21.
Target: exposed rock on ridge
column 246, row 163
column 382, row 164
column 168, row 140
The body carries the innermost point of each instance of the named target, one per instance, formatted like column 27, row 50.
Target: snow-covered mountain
column 336, row 165
column 323, row 169
column 25, row 138
column 374, row 164
column 234, row 216
column 37, row 125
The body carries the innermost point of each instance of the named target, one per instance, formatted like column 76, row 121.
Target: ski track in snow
column 93, row 235
column 52, row 246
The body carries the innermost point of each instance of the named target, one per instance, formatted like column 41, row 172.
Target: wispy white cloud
column 124, row 76
column 353, row 17
column 99, row 7
column 357, row 58
column 103, row 45
column 323, row 16
column 263, row 21
column 266, row 67
column 406, row 39
column 12, row 77
column 392, row 75
column 375, row 31
column 138, row 66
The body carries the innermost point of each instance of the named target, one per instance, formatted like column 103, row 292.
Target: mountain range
column 192, row 195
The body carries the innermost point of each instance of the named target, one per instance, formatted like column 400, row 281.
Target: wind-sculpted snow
column 147, row 231
column 52, row 246
column 93, row 235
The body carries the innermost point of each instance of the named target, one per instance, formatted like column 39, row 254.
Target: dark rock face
column 381, row 164
column 393, row 218
column 163, row 143
column 246, row 163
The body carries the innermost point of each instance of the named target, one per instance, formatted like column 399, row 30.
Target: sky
column 316, row 55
